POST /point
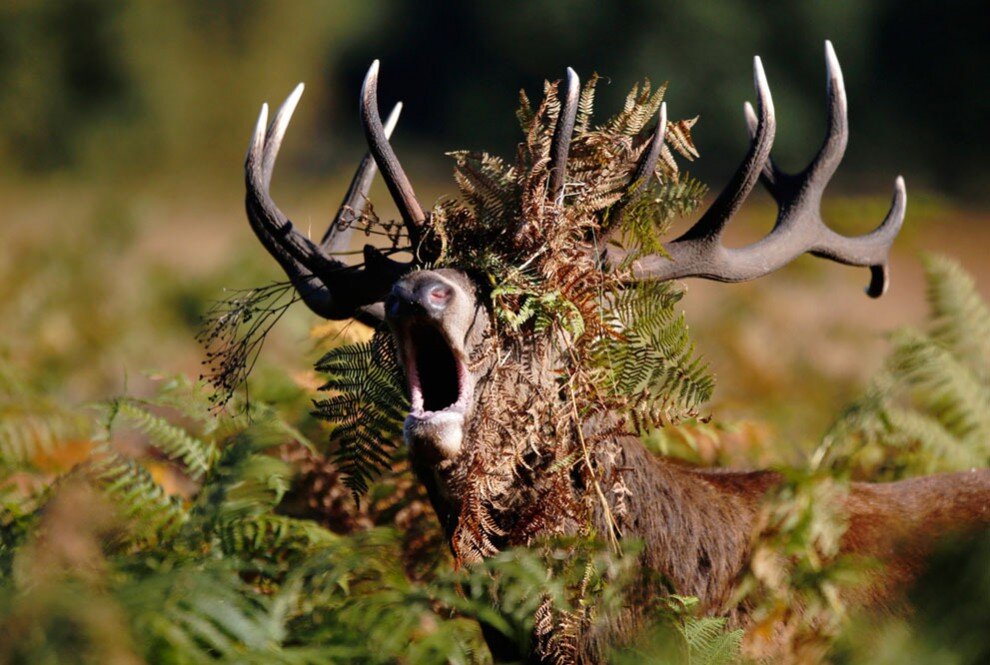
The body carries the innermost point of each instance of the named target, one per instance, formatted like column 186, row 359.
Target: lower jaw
column 439, row 435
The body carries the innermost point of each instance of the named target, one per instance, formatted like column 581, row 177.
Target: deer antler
column 338, row 235
column 642, row 174
column 327, row 286
column 799, row 227
column 395, row 177
column 560, row 145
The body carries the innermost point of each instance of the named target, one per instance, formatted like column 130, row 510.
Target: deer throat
column 440, row 390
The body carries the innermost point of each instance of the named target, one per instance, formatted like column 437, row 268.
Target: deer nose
column 425, row 296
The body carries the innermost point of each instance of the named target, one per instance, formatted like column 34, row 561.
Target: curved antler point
column 560, row 144
column 762, row 89
column 258, row 137
column 752, row 122
column 392, row 120
column 262, row 123
column 879, row 280
column 281, row 121
column 398, row 184
column 833, row 73
column 900, row 196
column 295, row 95
column 573, row 82
column 370, row 83
column 899, row 205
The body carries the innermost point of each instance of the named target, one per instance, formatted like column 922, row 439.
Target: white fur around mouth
column 433, row 365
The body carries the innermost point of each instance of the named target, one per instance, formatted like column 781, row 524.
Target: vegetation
column 132, row 90
column 151, row 527
column 159, row 530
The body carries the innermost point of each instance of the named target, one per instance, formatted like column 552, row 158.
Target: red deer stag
column 503, row 430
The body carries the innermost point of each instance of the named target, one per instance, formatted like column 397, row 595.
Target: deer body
column 495, row 429
column 697, row 527
column 698, row 524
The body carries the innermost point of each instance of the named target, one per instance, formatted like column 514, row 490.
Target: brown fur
column 697, row 527
column 899, row 524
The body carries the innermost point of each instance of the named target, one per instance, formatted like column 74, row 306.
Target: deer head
column 439, row 322
column 446, row 333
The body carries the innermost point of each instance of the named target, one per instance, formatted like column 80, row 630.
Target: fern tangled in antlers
column 555, row 308
column 533, row 249
column 546, row 290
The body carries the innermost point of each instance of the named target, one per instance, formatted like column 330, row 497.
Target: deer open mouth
column 436, row 372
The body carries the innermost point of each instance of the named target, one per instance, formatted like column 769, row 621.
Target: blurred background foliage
column 123, row 89
column 122, row 136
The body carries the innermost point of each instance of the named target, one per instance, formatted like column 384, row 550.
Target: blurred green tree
column 164, row 87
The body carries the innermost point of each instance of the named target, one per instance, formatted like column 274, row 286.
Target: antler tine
column 338, row 235
column 799, row 227
column 869, row 250
column 648, row 162
column 829, row 156
column 641, row 174
column 728, row 202
column 561, row 144
column 328, row 287
column 266, row 218
column 395, row 178
column 825, row 163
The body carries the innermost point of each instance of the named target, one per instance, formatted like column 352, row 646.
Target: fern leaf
column 650, row 359
column 272, row 536
column 709, row 643
column 196, row 456
column 368, row 411
column 154, row 514
column 960, row 319
column 942, row 385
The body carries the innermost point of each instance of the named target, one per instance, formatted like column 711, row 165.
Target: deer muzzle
column 423, row 312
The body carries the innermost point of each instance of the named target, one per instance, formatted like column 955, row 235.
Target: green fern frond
column 942, row 385
column 201, row 613
column 244, row 481
column 708, row 641
column 650, row 360
column 31, row 424
column 154, row 514
column 272, row 536
column 926, row 445
column 368, row 410
column 960, row 319
column 28, row 431
column 646, row 216
column 929, row 409
column 195, row 455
